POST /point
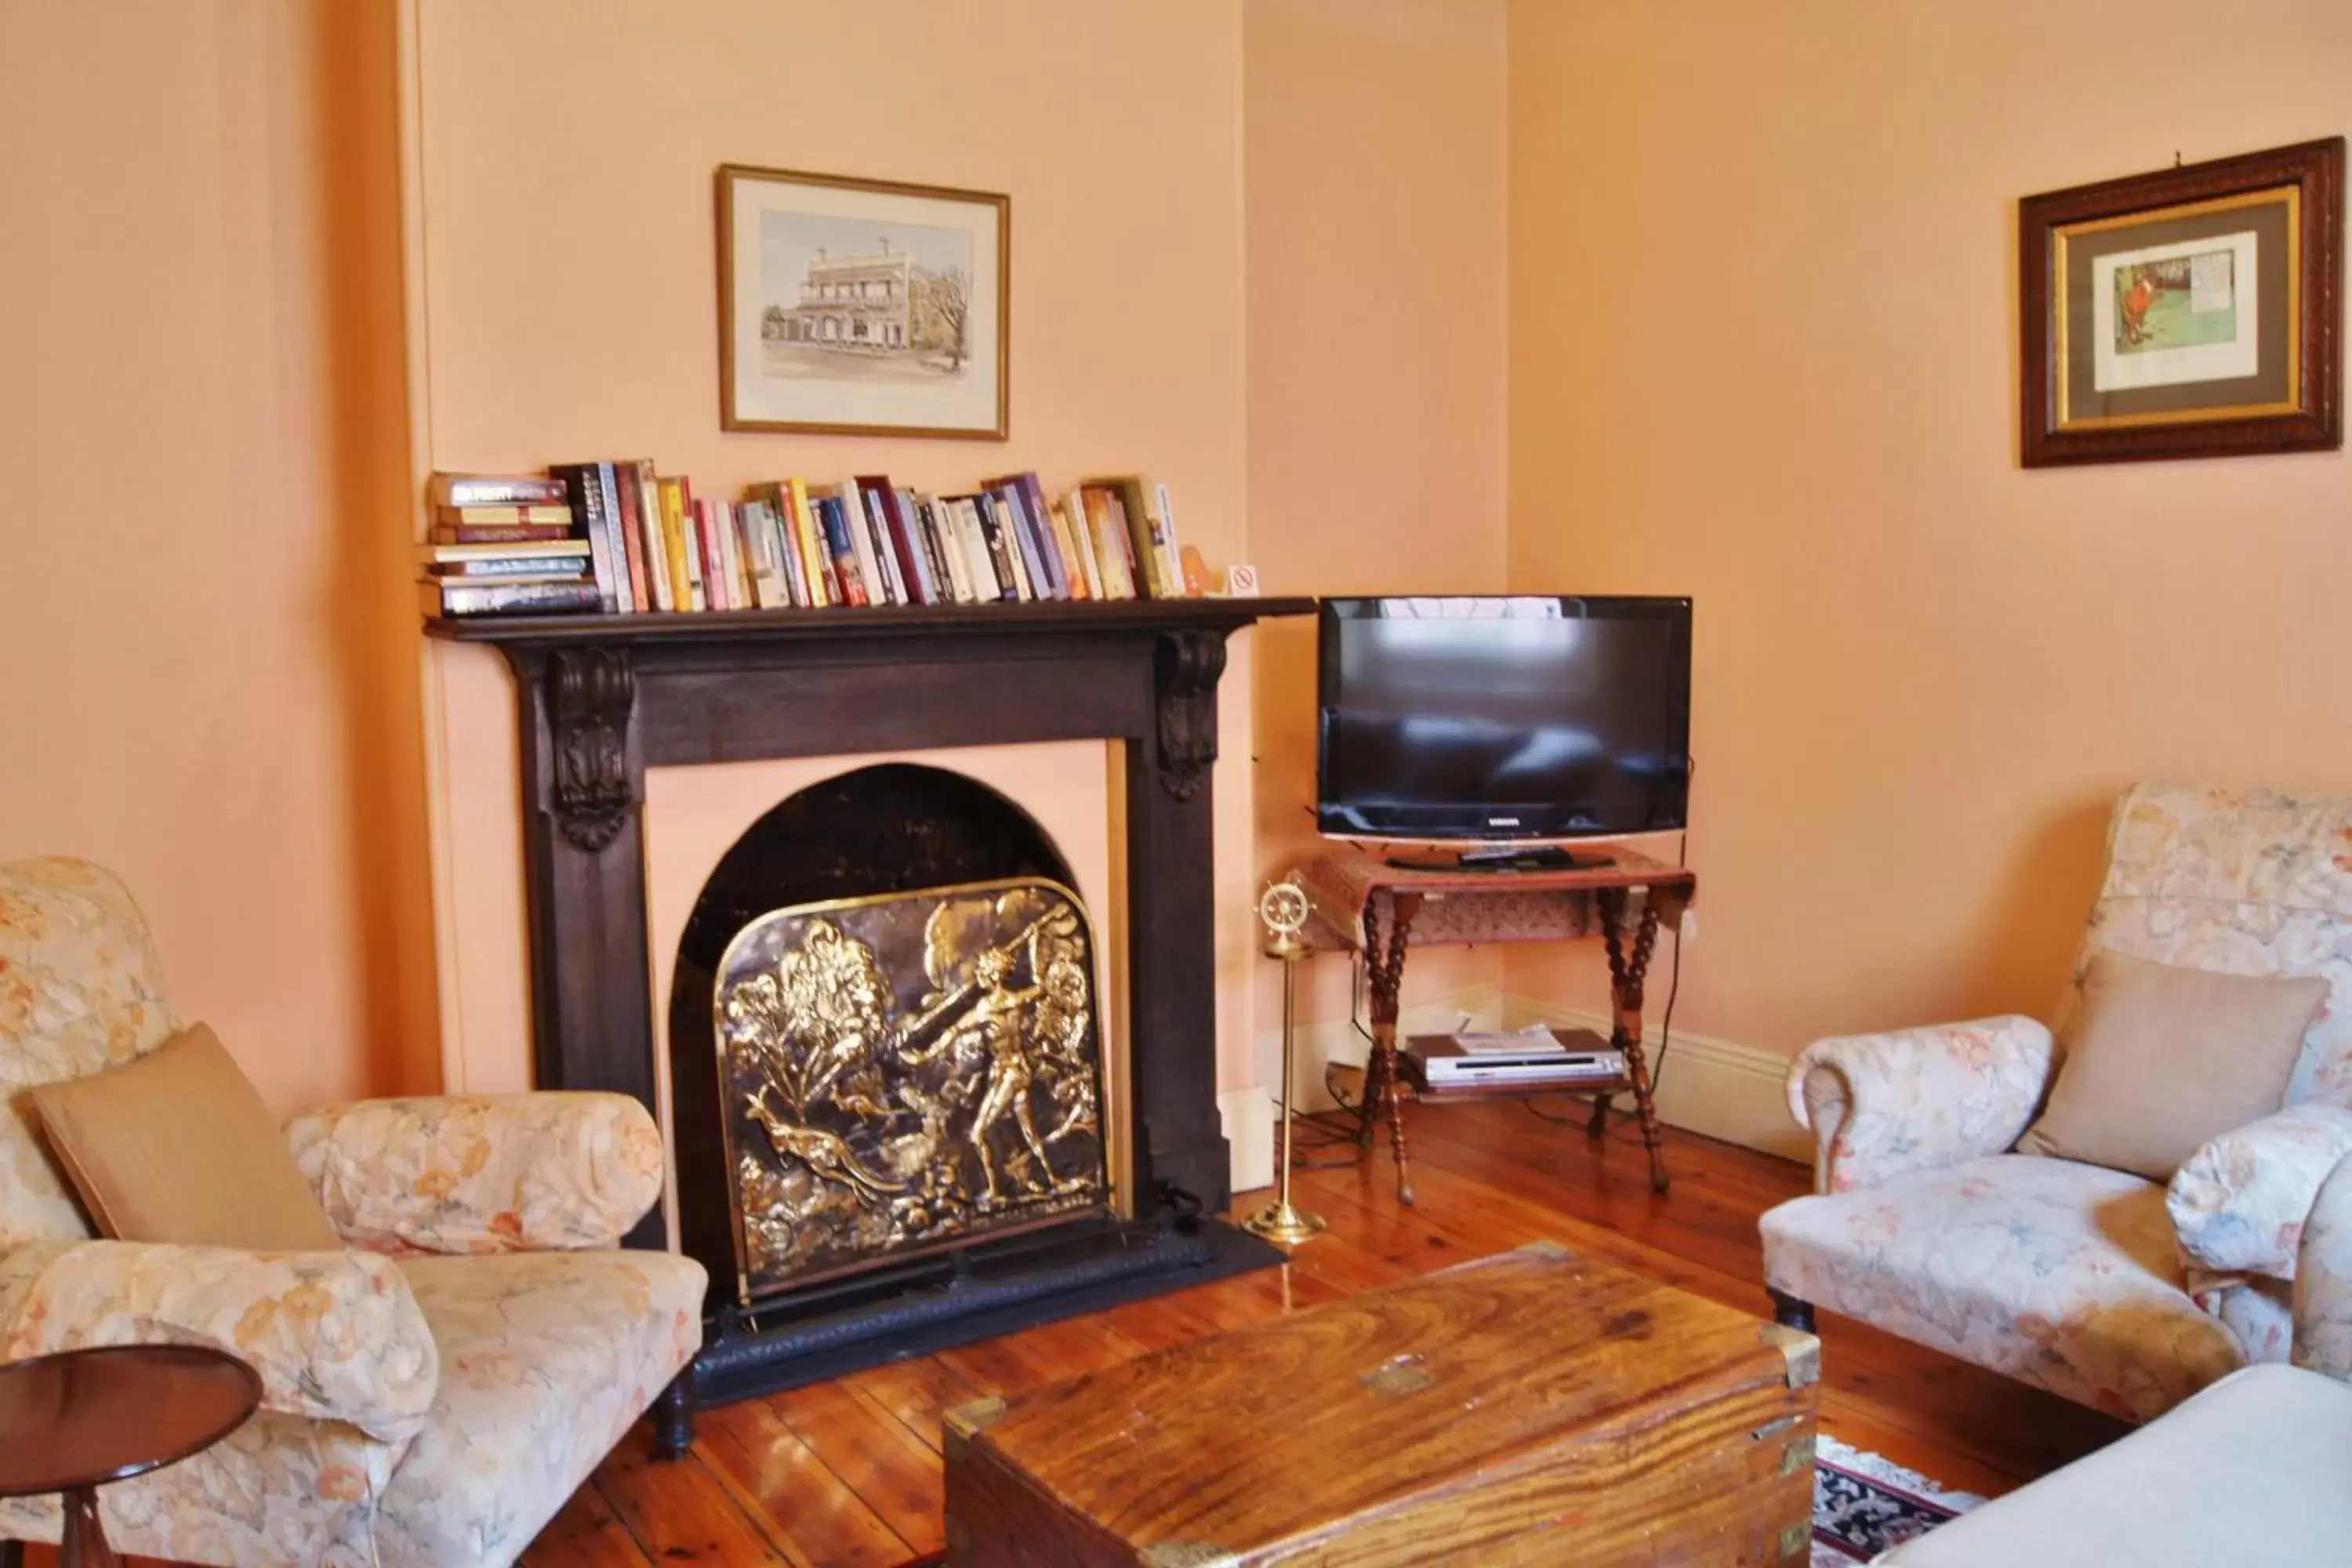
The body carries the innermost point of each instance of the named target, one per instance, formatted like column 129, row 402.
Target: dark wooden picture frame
column 985, row 283
column 2293, row 404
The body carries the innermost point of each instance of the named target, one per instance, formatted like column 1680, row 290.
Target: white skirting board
column 1712, row 1087
column 1721, row 1089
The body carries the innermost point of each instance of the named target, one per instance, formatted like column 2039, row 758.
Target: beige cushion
column 177, row 1146
column 2165, row 1057
column 2250, row 1474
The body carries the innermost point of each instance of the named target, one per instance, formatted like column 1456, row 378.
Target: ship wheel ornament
column 1283, row 908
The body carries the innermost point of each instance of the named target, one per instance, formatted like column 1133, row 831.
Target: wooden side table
column 77, row 1420
column 1364, row 903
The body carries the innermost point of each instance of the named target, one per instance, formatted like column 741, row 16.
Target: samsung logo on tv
column 1501, row 822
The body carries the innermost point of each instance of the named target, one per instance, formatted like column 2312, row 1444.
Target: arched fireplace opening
column 885, row 1043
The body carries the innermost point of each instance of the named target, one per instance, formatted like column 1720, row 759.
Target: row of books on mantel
column 618, row 537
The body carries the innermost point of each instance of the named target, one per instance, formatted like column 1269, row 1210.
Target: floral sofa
column 431, row 1394
column 2095, row 1284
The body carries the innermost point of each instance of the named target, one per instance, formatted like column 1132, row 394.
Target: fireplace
column 918, row 1206
column 884, row 1036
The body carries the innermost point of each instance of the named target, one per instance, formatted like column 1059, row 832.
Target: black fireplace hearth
column 605, row 698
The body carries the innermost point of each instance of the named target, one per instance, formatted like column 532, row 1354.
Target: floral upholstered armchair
column 2097, row 1284
column 433, row 1393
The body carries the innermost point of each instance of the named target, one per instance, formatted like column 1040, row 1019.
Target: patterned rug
column 1863, row 1505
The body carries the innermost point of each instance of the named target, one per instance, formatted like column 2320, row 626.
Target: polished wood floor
column 848, row 1473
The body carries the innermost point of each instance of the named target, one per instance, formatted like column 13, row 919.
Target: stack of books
column 503, row 545
column 1537, row 1057
column 645, row 542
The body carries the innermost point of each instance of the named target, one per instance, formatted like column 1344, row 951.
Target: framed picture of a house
column 862, row 307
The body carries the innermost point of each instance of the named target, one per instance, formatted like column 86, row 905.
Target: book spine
column 930, row 588
column 846, row 585
column 938, row 528
column 1002, row 555
column 1078, row 561
column 886, row 551
column 673, row 528
column 510, row 598
column 799, row 592
column 1163, row 528
column 462, row 490
column 1136, row 529
column 977, row 563
column 1105, row 574
column 743, row 589
column 801, row 526
column 1065, row 564
column 1110, row 528
column 633, row 543
column 653, row 576
column 625, row 593
column 756, row 547
column 526, row 534
column 905, row 583
column 714, row 556
column 697, row 593
column 502, row 516
column 1034, row 583
column 861, row 542
column 1036, row 554
column 506, row 566
column 942, row 570
column 588, row 510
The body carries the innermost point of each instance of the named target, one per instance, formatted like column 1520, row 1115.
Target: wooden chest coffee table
column 1533, row 1407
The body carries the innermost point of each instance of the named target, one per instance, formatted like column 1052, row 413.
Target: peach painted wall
column 1374, row 170
column 204, row 609
column 1763, row 326
column 567, row 273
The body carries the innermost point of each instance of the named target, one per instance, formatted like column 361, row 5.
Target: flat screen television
column 1503, row 719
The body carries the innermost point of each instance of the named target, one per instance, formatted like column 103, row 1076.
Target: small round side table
column 75, row 1421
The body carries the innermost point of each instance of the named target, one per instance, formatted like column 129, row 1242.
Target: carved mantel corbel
column 590, row 693
column 1188, row 665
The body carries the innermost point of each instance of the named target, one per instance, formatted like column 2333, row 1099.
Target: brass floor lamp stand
column 1283, row 908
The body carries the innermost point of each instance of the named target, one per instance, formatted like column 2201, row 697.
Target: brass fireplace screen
column 907, row 1072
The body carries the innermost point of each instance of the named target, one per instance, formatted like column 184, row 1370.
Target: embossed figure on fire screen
column 908, row 1070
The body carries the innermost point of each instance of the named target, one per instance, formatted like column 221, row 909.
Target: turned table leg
column 1384, row 1086
column 84, row 1545
column 1626, row 970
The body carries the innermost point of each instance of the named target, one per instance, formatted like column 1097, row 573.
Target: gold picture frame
column 2191, row 313
column 861, row 306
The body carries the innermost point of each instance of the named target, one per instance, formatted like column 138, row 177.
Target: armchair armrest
column 2238, row 1203
column 2323, row 1280
column 336, row 1336
column 490, row 1172
column 1881, row 1104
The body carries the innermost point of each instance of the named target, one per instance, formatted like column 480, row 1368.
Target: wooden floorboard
column 847, row 1474
column 864, row 1452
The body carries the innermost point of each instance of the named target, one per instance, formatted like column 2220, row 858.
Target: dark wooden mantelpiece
column 604, row 698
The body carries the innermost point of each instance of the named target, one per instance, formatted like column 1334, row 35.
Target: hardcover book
column 633, row 539
column 653, row 577
column 451, row 599
column 555, row 515
column 587, row 493
column 498, row 489
column 524, row 534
